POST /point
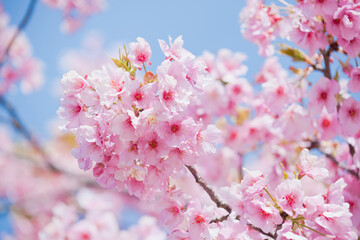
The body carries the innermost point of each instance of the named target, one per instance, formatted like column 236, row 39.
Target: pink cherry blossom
column 328, row 125
column 175, row 51
column 141, row 52
column 259, row 25
column 322, row 94
column 311, row 166
column 344, row 23
column 349, row 116
column 271, row 70
column 290, row 196
column 354, row 83
column 262, row 214
column 308, row 34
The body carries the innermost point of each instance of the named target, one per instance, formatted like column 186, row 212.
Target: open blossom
column 328, row 125
column 259, row 25
column 326, row 7
column 175, row 51
column 270, row 70
column 308, row 34
column 198, row 221
column 345, row 22
column 141, row 52
column 75, row 11
column 229, row 63
column 290, row 196
column 295, row 122
column 354, row 83
column 277, row 93
column 311, row 166
column 262, row 214
column 349, row 116
column 322, row 94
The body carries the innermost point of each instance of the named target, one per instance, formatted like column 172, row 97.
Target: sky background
column 204, row 25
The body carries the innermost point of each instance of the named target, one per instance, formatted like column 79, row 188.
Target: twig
column 326, row 55
column 316, row 144
column 17, row 123
column 21, row 26
column 208, row 189
column 23, row 130
column 261, row 231
column 225, row 206
column 284, row 215
column 317, row 68
column 220, row 219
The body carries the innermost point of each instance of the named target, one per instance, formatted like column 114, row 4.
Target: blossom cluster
column 139, row 130
column 144, row 131
column 99, row 220
column 310, row 24
column 75, row 11
column 17, row 62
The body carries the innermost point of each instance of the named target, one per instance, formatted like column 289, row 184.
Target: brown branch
column 317, row 68
column 208, row 189
column 284, row 215
column 316, row 144
column 327, row 71
column 17, row 123
column 326, row 54
column 21, row 26
column 261, row 231
column 225, row 206
column 220, row 219
column 24, row 131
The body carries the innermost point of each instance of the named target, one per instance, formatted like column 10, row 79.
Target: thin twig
column 21, row 26
column 316, row 144
column 261, row 231
column 17, row 123
column 25, row 132
column 219, row 203
column 220, row 219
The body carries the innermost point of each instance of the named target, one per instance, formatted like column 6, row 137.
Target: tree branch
column 316, row 144
column 326, row 71
column 326, row 54
column 24, row 131
column 225, row 206
column 208, row 189
column 21, row 26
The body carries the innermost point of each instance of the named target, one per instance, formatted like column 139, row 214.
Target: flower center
column 167, row 95
column 236, row 90
column 280, row 91
column 325, row 123
column 141, row 57
column 323, row 95
column 199, row 219
column 138, row 96
column 352, row 112
column 175, row 128
column 153, row 144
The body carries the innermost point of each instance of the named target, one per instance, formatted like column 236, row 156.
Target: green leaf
column 295, row 54
column 284, row 173
column 120, row 64
column 336, row 77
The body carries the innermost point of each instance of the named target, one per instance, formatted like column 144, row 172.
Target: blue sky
column 204, row 25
